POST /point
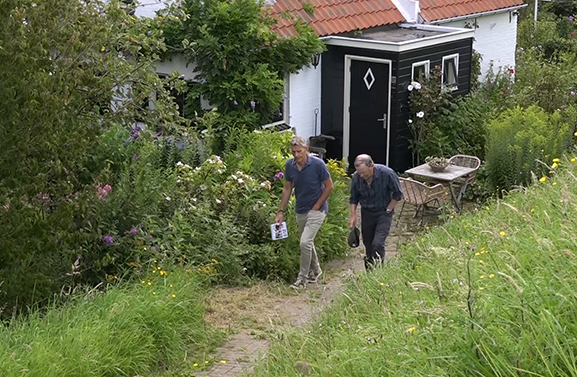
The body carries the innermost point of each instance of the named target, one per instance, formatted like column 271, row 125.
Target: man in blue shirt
column 313, row 184
column 377, row 188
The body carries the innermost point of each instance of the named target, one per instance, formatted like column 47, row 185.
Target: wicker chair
column 420, row 195
column 468, row 162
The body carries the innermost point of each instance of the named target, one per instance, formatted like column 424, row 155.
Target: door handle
column 384, row 120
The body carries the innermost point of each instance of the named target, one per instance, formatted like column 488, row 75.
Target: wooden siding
column 332, row 92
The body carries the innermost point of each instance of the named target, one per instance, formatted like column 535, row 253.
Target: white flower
column 240, row 180
column 234, row 177
column 417, row 86
column 194, row 200
column 168, row 198
column 420, row 114
column 219, row 171
column 187, row 166
column 218, row 201
column 410, row 121
column 179, row 163
column 410, row 87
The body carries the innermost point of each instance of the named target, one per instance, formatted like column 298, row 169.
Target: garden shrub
column 520, row 138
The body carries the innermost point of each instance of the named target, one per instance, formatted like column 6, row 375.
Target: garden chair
column 318, row 144
column 468, row 162
column 420, row 195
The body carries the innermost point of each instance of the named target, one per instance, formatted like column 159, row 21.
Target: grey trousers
column 309, row 224
column 375, row 227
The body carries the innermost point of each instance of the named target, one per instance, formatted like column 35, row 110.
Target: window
column 420, row 71
column 450, row 72
column 281, row 113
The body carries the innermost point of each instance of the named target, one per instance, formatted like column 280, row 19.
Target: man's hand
column 279, row 217
column 353, row 221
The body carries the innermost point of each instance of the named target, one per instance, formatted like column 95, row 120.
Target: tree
column 241, row 61
column 70, row 70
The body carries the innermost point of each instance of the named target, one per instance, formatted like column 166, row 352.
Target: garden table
column 447, row 177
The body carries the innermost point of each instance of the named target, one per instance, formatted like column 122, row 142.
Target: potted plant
column 437, row 164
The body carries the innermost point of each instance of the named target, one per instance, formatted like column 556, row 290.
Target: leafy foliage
column 241, row 61
column 71, row 70
column 519, row 138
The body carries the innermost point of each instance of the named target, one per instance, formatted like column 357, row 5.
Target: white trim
column 285, row 106
column 426, row 63
column 476, row 15
column 347, row 101
column 455, row 58
column 455, row 35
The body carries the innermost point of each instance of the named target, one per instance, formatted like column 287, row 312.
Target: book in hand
column 278, row 231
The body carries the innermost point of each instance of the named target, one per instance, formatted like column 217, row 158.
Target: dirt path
column 253, row 313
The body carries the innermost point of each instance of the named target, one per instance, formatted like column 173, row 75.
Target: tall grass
column 492, row 293
column 140, row 329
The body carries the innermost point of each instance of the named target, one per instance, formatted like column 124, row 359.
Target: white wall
column 176, row 63
column 304, row 98
column 148, row 8
column 495, row 39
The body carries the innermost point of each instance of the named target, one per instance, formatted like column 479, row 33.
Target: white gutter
column 475, row 15
column 453, row 34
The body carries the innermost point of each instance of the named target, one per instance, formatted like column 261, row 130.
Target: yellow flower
column 502, row 232
column 159, row 268
column 532, row 210
column 382, row 284
column 170, row 285
column 487, row 208
column 411, row 329
column 554, row 183
column 555, row 165
column 452, row 217
column 477, row 254
column 491, row 276
column 173, row 295
column 102, row 49
column 481, row 261
column 481, row 288
column 575, row 134
column 466, row 242
column 543, row 179
column 153, row 292
column 206, row 361
column 149, row 283
column 143, row 282
column 214, row 261
column 573, row 159
column 482, row 276
column 555, row 160
column 223, row 361
column 195, row 365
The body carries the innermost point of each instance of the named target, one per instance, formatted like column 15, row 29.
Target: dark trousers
column 375, row 227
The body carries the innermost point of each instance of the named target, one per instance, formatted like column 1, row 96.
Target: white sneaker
column 314, row 276
column 299, row 285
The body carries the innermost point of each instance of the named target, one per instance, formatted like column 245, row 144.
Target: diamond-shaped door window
column 369, row 79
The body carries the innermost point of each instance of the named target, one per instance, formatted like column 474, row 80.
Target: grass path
column 255, row 315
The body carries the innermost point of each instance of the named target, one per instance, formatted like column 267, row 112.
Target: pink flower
column 572, row 34
column 109, row 240
column 133, row 231
column 103, row 191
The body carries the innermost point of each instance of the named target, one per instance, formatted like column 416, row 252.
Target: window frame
column 285, row 107
column 451, row 86
column 426, row 63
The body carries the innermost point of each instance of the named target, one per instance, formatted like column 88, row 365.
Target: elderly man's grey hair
column 298, row 141
column 364, row 159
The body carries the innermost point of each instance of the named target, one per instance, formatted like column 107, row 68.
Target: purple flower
column 252, row 105
column 278, row 176
column 133, row 231
column 109, row 240
column 571, row 18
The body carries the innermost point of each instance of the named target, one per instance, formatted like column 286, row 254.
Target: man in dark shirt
column 312, row 183
column 377, row 188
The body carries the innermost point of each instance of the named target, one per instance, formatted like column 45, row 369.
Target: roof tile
column 340, row 16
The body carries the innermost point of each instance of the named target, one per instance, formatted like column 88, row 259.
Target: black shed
column 365, row 80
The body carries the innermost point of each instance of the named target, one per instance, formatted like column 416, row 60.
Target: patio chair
column 468, row 162
column 420, row 195
column 318, row 144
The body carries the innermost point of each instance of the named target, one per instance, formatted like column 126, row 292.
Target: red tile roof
column 435, row 10
column 332, row 17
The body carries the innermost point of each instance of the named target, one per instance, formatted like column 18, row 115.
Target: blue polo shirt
column 376, row 197
column 308, row 182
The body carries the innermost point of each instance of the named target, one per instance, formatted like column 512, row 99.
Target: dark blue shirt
column 308, row 182
column 378, row 195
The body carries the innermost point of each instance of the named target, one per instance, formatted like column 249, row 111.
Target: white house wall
column 304, row 99
column 495, row 39
column 176, row 63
